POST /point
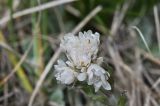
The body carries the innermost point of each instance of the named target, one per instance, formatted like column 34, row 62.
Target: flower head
column 81, row 49
column 82, row 63
column 98, row 77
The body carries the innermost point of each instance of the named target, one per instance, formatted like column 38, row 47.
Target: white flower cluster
column 82, row 63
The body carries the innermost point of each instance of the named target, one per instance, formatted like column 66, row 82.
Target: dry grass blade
column 17, row 66
column 91, row 15
column 119, row 16
column 154, row 102
column 73, row 11
column 6, row 46
column 33, row 10
column 142, row 37
column 43, row 75
column 20, row 72
column 156, row 83
column 56, row 55
column 147, row 101
column 6, row 96
column 157, row 24
column 60, row 20
column 150, row 57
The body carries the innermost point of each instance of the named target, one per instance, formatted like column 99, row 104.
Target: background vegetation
column 30, row 32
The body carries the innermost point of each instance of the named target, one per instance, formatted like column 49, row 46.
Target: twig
column 57, row 53
column 33, row 10
column 157, row 25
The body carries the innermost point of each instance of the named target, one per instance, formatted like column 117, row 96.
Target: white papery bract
column 82, row 76
column 82, row 63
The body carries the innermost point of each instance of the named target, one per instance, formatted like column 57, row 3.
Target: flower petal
column 99, row 60
column 97, row 86
column 61, row 62
column 67, row 77
column 70, row 64
column 106, row 85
